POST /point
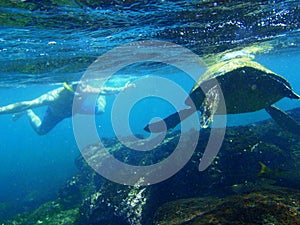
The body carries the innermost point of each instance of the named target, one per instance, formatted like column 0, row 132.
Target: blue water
column 43, row 45
column 32, row 166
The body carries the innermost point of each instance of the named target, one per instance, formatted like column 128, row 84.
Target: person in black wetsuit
column 60, row 104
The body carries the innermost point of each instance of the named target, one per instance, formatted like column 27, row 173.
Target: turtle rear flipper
column 170, row 121
column 284, row 120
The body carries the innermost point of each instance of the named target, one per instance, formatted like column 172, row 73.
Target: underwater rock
column 50, row 213
column 88, row 198
column 235, row 170
column 70, row 194
column 279, row 206
column 115, row 204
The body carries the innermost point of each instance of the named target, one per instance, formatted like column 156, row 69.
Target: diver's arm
column 44, row 99
column 106, row 90
column 115, row 90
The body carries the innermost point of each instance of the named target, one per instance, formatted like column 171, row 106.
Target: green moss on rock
column 50, row 213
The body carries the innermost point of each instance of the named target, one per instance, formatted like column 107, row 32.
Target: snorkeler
column 60, row 103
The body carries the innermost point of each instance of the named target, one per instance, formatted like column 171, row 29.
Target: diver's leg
column 15, row 107
column 49, row 121
column 34, row 120
column 44, row 99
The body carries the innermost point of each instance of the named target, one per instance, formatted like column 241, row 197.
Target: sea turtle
column 246, row 85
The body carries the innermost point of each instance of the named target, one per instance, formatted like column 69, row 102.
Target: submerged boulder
column 234, row 171
column 50, row 213
column 277, row 206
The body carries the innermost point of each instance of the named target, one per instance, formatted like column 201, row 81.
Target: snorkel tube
column 68, row 87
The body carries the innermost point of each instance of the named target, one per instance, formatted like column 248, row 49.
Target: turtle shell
column 246, row 85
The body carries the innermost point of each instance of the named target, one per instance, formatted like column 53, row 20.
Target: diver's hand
column 129, row 85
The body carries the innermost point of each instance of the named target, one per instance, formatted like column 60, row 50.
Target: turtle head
column 293, row 95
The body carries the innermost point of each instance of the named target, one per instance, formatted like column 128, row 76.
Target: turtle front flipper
column 209, row 106
column 284, row 120
column 170, row 121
